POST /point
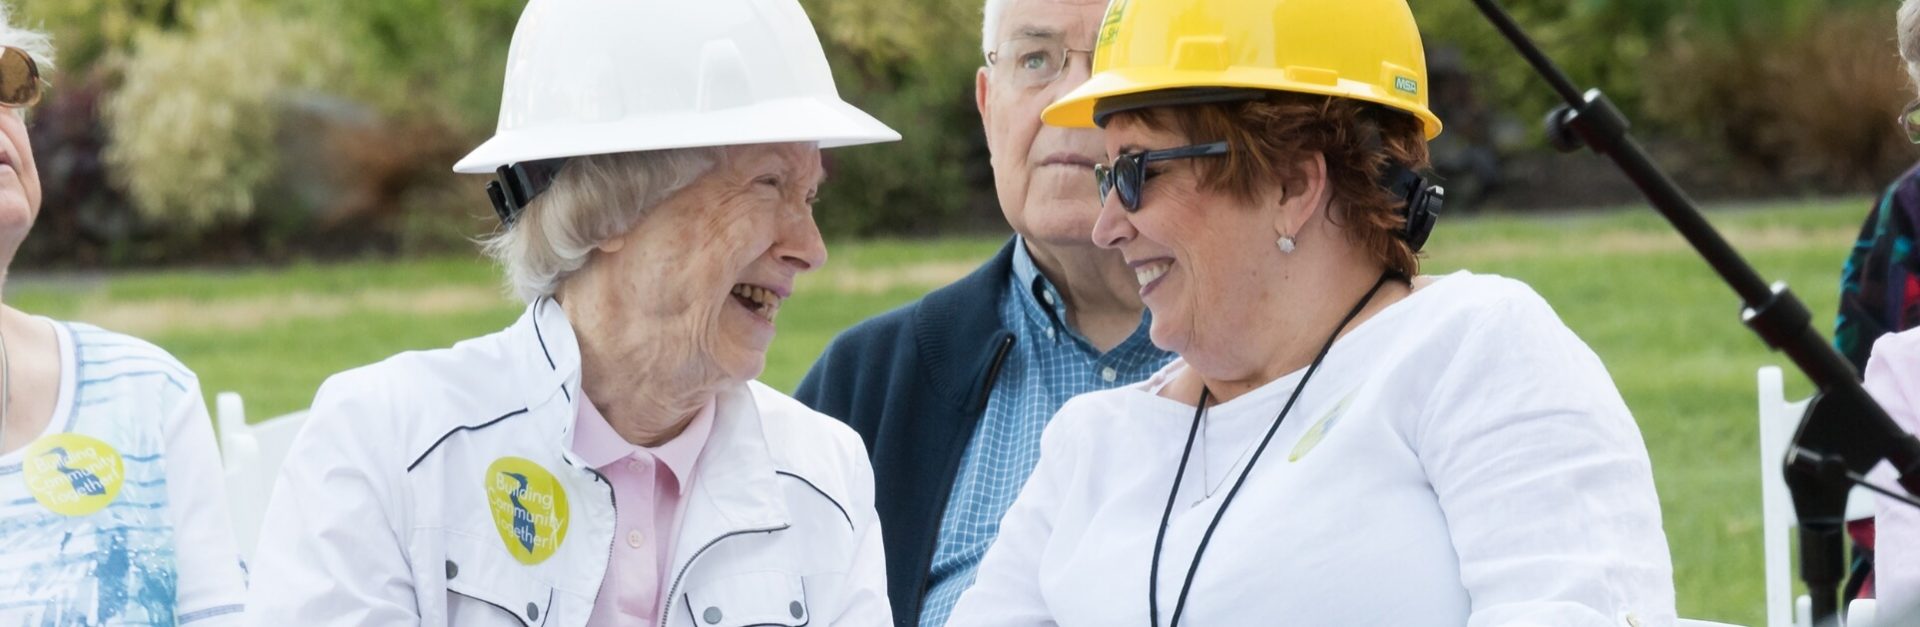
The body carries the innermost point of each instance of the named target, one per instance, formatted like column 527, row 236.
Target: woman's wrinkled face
column 19, row 184
column 1205, row 261
column 701, row 277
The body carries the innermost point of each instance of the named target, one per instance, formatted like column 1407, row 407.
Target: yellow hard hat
column 1164, row 52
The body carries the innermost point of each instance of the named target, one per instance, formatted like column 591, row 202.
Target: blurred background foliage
column 1742, row 98
column 193, row 127
column 265, row 130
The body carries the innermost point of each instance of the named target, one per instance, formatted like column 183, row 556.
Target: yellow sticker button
column 529, row 508
column 1319, row 430
column 72, row 474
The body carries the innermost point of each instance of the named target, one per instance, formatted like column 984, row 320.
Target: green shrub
column 1811, row 101
column 430, row 59
column 1597, row 42
column 1613, row 44
column 910, row 64
column 193, row 120
column 89, row 31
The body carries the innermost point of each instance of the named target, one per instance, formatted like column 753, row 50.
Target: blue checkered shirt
column 1049, row 363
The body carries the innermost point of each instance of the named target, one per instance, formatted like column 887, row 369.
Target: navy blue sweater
column 914, row 382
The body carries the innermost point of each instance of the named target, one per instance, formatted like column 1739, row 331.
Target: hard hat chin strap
column 1423, row 198
column 1424, row 201
column 516, row 184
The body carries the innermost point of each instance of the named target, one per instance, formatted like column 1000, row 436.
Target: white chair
column 252, row 455
column 1779, row 418
column 1863, row 613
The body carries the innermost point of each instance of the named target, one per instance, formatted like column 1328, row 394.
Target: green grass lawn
column 1667, row 329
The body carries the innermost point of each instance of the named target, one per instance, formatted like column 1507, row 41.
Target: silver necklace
column 1200, row 410
column 1206, row 426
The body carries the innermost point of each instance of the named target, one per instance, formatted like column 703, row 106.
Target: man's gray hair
column 593, row 199
column 990, row 24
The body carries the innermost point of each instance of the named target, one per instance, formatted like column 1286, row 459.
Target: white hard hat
column 588, row 77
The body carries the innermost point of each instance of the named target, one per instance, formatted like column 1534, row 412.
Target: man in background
column 951, row 392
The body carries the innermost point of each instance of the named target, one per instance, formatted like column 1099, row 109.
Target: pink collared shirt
column 648, row 484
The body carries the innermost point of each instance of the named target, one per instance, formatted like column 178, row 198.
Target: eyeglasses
column 1035, row 60
column 1910, row 121
column 1129, row 171
column 19, row 78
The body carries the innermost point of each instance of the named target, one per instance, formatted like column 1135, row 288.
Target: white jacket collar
column 734, row 486
column 548, row 353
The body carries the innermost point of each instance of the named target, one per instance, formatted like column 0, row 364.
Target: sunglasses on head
column 1129, row 171
column 19, row 78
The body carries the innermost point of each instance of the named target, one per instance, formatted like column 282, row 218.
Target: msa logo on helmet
column 1402, row 83
column 1110, row 26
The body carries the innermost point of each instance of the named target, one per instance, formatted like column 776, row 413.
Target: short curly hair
column 1267, row 135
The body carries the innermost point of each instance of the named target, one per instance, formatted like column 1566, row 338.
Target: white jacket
column 388, row 510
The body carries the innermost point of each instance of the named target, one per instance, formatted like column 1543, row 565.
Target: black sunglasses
column 19, row 78
column 1129, row 171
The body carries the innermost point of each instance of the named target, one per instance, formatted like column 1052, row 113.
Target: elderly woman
column 112, row 506
column 608, row 459
column 1341, row 441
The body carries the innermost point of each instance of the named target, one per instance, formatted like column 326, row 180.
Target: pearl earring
column 1286, row 243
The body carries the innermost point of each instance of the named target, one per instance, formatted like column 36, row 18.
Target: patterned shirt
column 1879, row 294
column 117, row 513
column 1880, row 287
column 1049, row 363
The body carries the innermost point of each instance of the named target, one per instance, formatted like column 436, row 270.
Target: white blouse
column 1459, row 458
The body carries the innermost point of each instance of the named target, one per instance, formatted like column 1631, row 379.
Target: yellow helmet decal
column 1110, row 26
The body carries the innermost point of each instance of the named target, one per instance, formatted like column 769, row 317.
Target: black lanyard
column 1153, row 576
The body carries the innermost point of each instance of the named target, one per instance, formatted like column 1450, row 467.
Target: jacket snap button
column 533, row 612
column 795, row 608
column 453, row 570
column 712, row 615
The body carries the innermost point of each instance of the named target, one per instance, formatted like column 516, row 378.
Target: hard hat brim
column 1075, row 110
column 830, row 122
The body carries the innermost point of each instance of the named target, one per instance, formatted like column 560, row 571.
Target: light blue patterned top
column 1049, row 363
column 143, row 540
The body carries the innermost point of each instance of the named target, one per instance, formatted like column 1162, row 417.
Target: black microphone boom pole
column 1844, row 433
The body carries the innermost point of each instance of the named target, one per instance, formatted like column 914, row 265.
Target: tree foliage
column 191, row 88
column 911, row 64
column 194, row 119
